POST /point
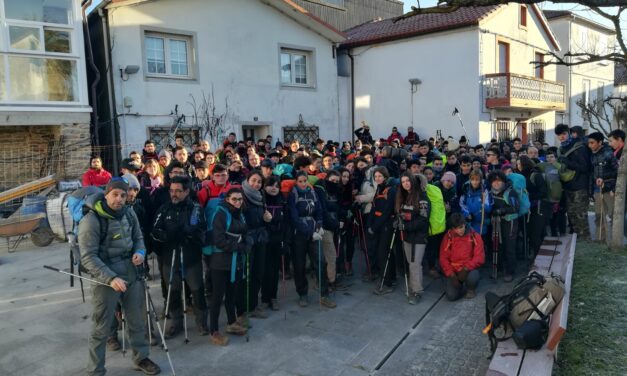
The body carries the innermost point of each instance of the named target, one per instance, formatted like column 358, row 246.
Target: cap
column 117, row 182
column 130, row 164
column 133, row 183
column 449, row 176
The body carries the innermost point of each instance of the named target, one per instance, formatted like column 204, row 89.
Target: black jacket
column 391, row 166
column 227, row 241
column 604, row 166
column 416, row 221
column 279, row 227
column 332, row 212
column 380, row 216
column 578, row 160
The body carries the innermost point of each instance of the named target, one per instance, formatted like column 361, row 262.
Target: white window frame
column 310, row 57
column 188, row 39
column 75, row 55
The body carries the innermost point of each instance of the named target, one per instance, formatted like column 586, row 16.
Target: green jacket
column 437, row 217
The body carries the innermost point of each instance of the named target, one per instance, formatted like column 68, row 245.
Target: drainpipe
column 111, row 97
column 352, row 96
column 92, row 65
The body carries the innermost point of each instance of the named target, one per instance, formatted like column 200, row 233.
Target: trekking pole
column 405, row 261
column 247, row 292
column 184, row 296
column 495, row 246
column 365, row 246
column 320, row 271
column 482, row 212
column 283, row 276
column 167, row 299
column 76, row 275
column 151, row 308
column 602, row 219
column 148, row 319
column 123, row 317
column 388, row 260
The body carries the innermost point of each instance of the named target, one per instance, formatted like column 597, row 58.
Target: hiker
column 413, row 208
column 575, row 156
column 111, row 259
column 179, row 230
column 540, row 210
column 476, row 203
column 604, row 173
column 461, row 255
column 149, row 152
column 504, row 221
column 306, row 216
column 449, row 192
column 395, row 135
column 96, row 175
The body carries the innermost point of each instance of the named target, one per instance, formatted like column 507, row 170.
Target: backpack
column 552, row 179
column 211, row 209
column 567, row 174
column 437, row 217
column 519, row 184
column 533, row 299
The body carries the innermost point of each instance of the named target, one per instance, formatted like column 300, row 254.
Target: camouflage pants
column 577, row 210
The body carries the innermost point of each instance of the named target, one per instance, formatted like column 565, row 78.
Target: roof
column 379, row 31
column 620, row 74
column 555, row 14
column 550, row 14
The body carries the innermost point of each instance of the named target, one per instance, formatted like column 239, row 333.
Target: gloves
column 316, row 236
column 462, row 275
column 370, row 231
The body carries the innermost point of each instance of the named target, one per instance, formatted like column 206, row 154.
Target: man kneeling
column 461, row 255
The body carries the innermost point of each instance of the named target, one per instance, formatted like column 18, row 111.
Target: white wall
column 238, row 53
column 447, row 65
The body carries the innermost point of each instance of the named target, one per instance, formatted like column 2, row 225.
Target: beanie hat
column 449, row 176
column 133, row 183
column 117, row 183
column 165, row 153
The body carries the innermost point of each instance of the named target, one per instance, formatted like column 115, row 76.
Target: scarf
column 154, row 183
column 254, row 196
column 568, row 142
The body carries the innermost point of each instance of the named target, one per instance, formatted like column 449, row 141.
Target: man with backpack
column 111, row 246
column 604, row 172
column 504, row 223
column 574, row 154
column 461, row 255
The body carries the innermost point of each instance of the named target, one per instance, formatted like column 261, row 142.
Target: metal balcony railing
column 510, row 90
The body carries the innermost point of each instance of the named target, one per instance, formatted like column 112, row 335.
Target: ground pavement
column 44, row 330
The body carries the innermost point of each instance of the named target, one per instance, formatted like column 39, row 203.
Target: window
column 39, row 62
column 503, row 57
column 168, row 55
column 539, row 71
column 296, row 68
column 523, row 16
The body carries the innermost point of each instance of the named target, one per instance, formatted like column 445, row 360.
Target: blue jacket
column 470, row 203
column 305, row 211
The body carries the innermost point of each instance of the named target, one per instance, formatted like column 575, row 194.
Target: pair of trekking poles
column 151, row 311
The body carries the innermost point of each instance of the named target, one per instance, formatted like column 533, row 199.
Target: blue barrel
column 33, row 205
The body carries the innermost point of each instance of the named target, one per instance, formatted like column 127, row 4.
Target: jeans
column 455, row 286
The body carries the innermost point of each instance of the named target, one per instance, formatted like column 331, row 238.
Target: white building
column 270, row 59
column 416, row 70
column 43, row 88
column 590, row 82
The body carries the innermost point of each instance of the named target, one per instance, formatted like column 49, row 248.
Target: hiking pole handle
column 75, row 275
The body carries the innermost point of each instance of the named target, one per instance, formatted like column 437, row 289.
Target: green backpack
column 551, row 176
column 437, row 217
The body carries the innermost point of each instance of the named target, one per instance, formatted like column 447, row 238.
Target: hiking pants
column 274, row 259
column 577, row 210
column 382, row 241
column 603, row 207
column 104, row 301
column 194, row 278
column 413, row 255
column 507, row 248
column 206, row 260
column 330, row 254
column 223, row 288
column 455, row 290
column 346, row 246
column 432, row 250
column 301, row 247
column 538, row 219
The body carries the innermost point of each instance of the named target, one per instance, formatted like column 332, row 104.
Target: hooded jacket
column 108, row 256
column 416, row 221
column 472, row 202
column 227, row 240
column 459, row 252
column 305, row 211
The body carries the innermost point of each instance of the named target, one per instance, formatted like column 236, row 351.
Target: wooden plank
column 506, row 359
column 25, row 189
column 537, row 363
column 559, row 319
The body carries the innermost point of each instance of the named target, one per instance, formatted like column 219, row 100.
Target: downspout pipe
column 115, row 154
column 92, row 65
column 352, row 96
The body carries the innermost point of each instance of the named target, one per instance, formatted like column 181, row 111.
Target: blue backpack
column 519, row 184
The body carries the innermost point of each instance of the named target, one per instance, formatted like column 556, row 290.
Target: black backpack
column 524, row 313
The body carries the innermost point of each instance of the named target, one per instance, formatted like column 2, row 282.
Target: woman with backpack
column 504, row 223
column 306, row 217
column 540, row 211
column 227, row 234
column 476, row 205
column 277, row 245
column 380, row 229
column 413, row 209
column 256, row 217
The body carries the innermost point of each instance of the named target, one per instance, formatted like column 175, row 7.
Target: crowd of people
column 228, row 225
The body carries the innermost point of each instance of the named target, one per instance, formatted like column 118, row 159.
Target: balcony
column 515, row 91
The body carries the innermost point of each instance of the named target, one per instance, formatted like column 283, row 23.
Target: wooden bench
column 555, row 256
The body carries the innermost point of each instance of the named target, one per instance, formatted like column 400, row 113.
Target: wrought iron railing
column 515, row 86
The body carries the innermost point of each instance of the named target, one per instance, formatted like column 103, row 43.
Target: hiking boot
column 325, row 301
column 274, row 305
column 338, row 286
column 508, row 278
column 244, row 322
column 470, row 294
column 413, row 299
column 148, row 367
column 383, row 290
column 259, row 313
column 303, row 301
column 369, row 277
column 236, row 329
column 113, row 344
column 219, row 339
column 434, row 274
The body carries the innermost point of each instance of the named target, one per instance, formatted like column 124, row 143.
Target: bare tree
column 211, row 121
column 601, row 114
column 616, row 55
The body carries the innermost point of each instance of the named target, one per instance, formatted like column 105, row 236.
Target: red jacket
column 96, row 178
column 209, row 190
column 395, row 136
column 458, row 252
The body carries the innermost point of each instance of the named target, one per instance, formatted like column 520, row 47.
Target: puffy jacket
column 604, row 166
column 477, row 204
column 506, row 203
column 108, row 256
column 181, row 225
column 450, row 197
column 416, row 221
column 96, row 178
column 227, row 240
column 579, row 161
column 437, row 217
column 305, row 211
column 332, row 213
column 382, row 207
column 458, row 252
